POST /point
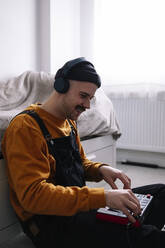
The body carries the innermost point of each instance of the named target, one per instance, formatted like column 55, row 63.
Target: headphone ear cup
column 61, row 85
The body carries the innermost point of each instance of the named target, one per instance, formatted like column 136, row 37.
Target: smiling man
column 47, row 170
column 71, row 104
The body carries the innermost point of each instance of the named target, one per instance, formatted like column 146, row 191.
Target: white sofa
column 11, row 235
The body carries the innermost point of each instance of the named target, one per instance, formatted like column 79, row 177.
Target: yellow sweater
column 30, row 168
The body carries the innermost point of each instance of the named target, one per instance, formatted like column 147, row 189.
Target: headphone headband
column 61, row 84
column 70, row 64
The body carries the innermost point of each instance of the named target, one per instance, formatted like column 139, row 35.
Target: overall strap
column 72, row 128
column 40, row 122
column 43, row 128
column 1, row 155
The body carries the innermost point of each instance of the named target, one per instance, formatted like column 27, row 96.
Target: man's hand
column 123, row 200
column 110, row 175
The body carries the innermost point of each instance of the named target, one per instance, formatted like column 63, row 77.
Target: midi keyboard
column 117, row 216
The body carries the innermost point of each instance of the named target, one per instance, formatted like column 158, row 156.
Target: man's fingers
column 113, row 184
column 129, row 215
column 131, row 210
column 134, row 199
column 125, row 180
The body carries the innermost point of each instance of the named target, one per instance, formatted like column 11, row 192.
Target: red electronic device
column 117, row 216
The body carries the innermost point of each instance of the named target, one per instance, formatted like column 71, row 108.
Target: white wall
column 44, row 35
column 86, row 28
column 65, row 32
column 18, row 37
column 38, row 35
column 71, row 30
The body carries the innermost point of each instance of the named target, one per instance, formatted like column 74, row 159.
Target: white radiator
column 142, row 123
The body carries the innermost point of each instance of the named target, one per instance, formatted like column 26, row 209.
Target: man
column 47, row 170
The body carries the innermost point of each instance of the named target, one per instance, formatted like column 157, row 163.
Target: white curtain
column 129, row 41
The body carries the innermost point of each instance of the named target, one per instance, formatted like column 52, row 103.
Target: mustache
column 80, row 108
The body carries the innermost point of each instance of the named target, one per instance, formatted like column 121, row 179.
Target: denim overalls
column 69, row 168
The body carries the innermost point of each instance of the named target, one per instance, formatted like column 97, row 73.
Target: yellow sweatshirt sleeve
column 30, row 168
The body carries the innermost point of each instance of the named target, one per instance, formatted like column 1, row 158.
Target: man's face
column 77, row 99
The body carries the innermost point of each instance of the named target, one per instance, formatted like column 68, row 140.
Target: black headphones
column 61, row 84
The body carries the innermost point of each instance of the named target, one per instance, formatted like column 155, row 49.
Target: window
column 129, row 40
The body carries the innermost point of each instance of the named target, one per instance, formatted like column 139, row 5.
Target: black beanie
column 83, row 71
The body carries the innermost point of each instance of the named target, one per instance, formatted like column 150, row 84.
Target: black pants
column 84, row 230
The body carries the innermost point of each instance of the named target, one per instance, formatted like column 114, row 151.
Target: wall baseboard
column 140, row 157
